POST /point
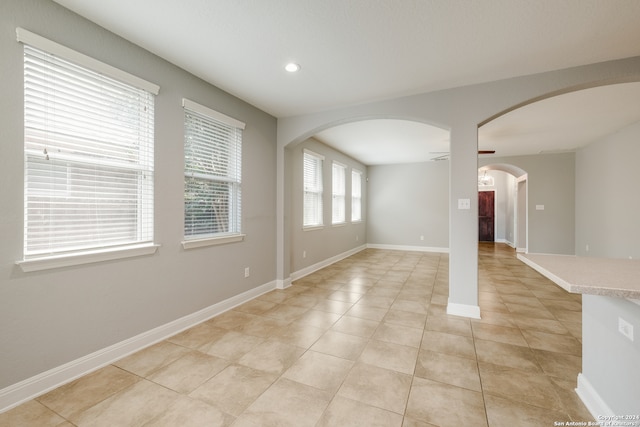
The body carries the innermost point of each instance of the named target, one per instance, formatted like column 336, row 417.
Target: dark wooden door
column 486, row 209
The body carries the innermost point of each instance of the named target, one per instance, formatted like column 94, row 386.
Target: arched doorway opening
column 544, row 136
column 508, row 187
column 400, row 150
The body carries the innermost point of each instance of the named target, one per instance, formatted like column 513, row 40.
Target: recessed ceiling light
column 292, row 67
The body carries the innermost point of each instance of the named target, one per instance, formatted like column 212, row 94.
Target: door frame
column 521, row 218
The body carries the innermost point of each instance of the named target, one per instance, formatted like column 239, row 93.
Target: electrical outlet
column 304, row 254
column 421, row 237
column 247, row 272
column 625, row 328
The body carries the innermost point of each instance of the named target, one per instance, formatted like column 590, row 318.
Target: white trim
column 198, row 108
column 546, row 273
column 505, row 241
column 283, row 283
column 322, row 264
column 312, row 153
column 32, row 39
column 37, row 385
column 342, row 165
column 212, row 241
column 408, row 248
column 591, row 399
column 88, row 257
column 464, row 310
column 312, row 227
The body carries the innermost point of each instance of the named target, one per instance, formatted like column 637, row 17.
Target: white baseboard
column 322, row 264
column 35, row 386
column 511, row 244
column 408, row 248
column 591, row 399
column 464, row 310
column 283, row 283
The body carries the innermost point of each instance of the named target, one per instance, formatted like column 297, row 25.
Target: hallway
column 363, row 342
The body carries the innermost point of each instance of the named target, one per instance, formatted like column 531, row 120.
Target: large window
column 88, row 149
column 212, row 173
column 338, row 193
column 356, row 195
column 312, row 165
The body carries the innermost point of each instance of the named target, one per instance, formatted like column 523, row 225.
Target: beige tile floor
column 364, row 342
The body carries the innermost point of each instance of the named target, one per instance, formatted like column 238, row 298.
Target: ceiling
column 358, row 51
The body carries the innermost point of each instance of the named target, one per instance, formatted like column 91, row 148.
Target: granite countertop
column 582, row 275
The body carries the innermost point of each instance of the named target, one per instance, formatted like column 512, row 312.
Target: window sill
column 312, row 227
column 212, row 241
column 339, row 224
column 88, row 257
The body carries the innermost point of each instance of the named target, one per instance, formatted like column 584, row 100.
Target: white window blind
column 88, row 157
column 213, row 160
column 338, row 193
column 356, row 195
column 312, row 165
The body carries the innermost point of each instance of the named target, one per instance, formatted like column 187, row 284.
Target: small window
column 212, row 173
column 312, row 165
column 356, row 196
column 338, row 193
column 88, row 150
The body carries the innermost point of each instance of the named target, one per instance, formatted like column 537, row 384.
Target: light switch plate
column 464, row 203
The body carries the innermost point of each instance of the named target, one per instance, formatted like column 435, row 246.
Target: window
column 338, row 193
column 312, row 165
column 88, row 145
column 356, row 195
column 212, row 173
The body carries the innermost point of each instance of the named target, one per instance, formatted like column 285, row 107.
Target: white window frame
column 75, row 151
column 222, row 140
column 338, row 193
column 312, row 211
column 356, row 195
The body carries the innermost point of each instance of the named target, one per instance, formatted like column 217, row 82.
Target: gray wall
column 607, row 206
column 407, row 201
column 52, row 317
column 551, row 179
column 607, row 196
column 611, row 362
column 321, row 244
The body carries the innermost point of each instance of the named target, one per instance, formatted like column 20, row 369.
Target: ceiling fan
column 444, row 155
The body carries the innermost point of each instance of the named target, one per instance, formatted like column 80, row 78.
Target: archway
column 311, row 248
column 462, row 110
column 542, row 136
column 511, row 201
